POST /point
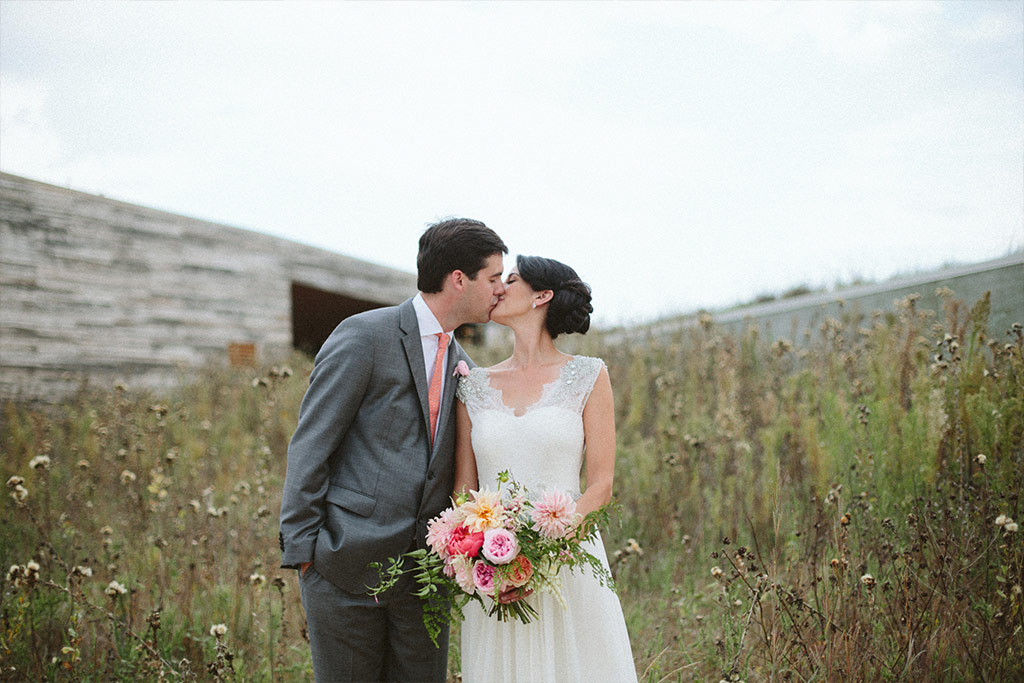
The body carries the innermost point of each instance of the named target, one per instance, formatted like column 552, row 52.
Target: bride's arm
column 465, row 460
column 599, row 436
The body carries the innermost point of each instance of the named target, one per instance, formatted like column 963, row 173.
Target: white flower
column 15, row 481
column 868, row 580
column 16, row 575
column 115, row 589
column 127, row 477
column 1011, row 527
column 218, row 630
column 40, row 462
column 106, row 531
column 79, row 570
column 716, row 572
column 257, row 579
column 19, row 493
column 1002, row 519
column 980, row 458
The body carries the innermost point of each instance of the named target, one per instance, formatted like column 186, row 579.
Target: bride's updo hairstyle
column 569, row 310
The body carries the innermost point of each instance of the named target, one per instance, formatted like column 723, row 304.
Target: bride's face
column 517, row 299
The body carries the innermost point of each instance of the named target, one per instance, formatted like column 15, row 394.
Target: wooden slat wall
column 96, row 289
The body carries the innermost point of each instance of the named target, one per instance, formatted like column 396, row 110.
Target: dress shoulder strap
column 576, row 382
column 475, row 391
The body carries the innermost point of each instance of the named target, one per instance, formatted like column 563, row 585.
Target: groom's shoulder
column 386, row 315
column 384, row 318
column 366, row 326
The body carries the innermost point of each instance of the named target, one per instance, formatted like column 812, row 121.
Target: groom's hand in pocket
column 303, row 567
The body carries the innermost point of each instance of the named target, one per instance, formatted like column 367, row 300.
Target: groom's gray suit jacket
column 362, row 479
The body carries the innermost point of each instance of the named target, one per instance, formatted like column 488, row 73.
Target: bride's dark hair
column 569, row 310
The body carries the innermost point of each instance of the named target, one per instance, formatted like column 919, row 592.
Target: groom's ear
column 458, row 279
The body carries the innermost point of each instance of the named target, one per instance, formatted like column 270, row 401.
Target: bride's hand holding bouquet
column 498, row 548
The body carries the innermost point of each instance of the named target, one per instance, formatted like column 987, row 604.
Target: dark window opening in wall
column 316, row 312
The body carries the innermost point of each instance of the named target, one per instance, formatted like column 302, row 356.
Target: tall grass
column 176, row 501
column 824, row 508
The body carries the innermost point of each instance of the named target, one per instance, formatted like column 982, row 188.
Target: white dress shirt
column 429, row 329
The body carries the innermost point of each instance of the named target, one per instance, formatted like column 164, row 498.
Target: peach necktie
column 434, row 395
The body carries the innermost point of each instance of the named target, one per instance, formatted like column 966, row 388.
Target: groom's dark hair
column 454, row 244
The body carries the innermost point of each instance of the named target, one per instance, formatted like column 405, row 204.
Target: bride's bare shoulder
column 498, row 368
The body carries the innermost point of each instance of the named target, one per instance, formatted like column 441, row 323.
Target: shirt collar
column 425, row 317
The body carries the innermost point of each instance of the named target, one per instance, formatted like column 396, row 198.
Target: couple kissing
column 397, row 419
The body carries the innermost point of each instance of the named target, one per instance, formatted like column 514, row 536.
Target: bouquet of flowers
column 498, row 548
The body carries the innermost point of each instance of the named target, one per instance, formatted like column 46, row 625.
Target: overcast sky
column 678, row 155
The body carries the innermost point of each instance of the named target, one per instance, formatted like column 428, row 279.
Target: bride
column 540, row 414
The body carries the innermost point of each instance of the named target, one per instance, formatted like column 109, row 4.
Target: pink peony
column 439, row 532
column 483, row 577
column 500, row 545
column 554, row 514
column 461, row 368
column 465, row 542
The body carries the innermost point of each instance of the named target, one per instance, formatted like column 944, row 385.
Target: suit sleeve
column 340, row 377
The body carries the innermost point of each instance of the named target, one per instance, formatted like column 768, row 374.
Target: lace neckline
column 545, row 392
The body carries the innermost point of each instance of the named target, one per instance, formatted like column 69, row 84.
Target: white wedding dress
column 586, row 640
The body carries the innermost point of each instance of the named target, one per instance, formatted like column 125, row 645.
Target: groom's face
column 481, row 294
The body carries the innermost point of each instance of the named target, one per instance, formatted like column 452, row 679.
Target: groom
column 372, row 460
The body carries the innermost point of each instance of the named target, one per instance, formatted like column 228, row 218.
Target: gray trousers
column 355, row 638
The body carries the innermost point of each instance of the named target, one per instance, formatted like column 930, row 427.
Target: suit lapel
column 414, row 354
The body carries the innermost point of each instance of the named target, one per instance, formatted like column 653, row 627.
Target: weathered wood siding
column 96, row 289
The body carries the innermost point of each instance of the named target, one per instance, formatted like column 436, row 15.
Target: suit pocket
column 353, row 501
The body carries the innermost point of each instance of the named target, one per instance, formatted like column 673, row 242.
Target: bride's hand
column 512, row 595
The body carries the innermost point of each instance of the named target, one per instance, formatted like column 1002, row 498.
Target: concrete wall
column 96, row 289
column 794, row 318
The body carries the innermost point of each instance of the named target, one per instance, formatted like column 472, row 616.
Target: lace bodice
column 543, row 447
